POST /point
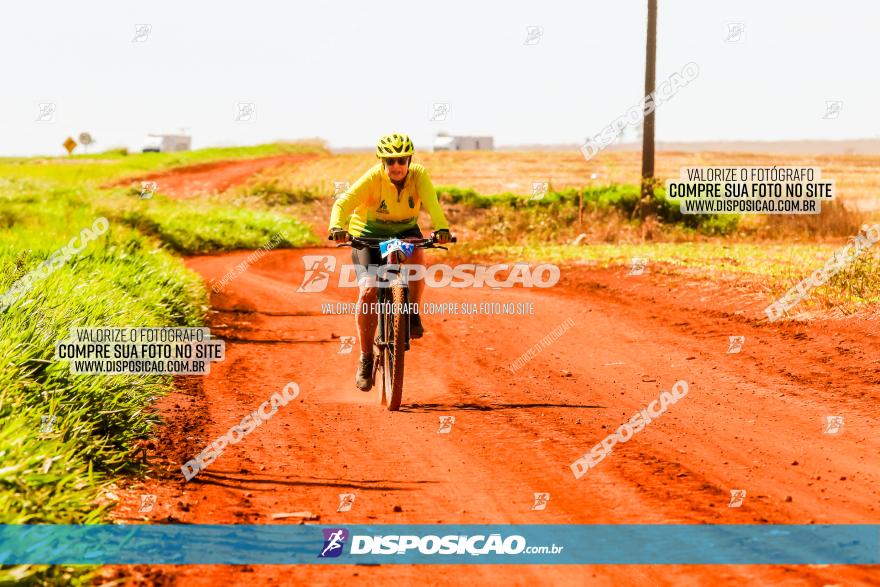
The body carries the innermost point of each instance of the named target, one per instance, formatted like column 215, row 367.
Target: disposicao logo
column 334, row 542
column 317, row 272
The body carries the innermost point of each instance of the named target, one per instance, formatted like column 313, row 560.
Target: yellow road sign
column 70, row 145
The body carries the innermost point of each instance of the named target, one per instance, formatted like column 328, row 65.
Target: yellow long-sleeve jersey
column 373, row 207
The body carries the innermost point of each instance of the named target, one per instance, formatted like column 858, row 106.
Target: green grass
column 511, row 226
column 92, row 169
column 623, row 199
column 127, row 276
column 119, row 280
column 769, row 267
column 203, row 226
column 756, row 259
column 273, row 193
column 563, row 206
column 188, row 226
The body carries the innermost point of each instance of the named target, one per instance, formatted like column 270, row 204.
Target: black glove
column 441, row 236
column 340, row 235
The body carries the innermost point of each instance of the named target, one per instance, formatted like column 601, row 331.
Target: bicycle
column 392, row 332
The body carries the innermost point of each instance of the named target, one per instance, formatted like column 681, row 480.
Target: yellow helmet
column 394, row 145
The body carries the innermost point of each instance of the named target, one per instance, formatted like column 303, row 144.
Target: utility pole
column 648, row 131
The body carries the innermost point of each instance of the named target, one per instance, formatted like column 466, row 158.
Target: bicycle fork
column 394, row 277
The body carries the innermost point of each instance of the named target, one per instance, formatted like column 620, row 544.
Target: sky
column 349, row 72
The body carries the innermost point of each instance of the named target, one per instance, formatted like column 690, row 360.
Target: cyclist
column 385, row 202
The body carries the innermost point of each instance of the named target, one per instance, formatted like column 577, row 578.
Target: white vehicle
column 159, row 143
column 463, row 143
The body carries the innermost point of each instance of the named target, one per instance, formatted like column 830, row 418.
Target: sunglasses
column 399, row 160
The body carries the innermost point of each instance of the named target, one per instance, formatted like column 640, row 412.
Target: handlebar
column 361, row 242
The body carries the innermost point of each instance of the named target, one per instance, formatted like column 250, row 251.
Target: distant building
column 463, row 143
column 161, row 143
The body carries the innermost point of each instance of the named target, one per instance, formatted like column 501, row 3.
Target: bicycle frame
column 393, row 277
column 382, row 297
column 392, row 337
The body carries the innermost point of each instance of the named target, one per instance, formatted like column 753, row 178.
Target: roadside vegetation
column 96, row 168
column 606, row 224
column 205, row 226
column 65, row 438
column 613, row 232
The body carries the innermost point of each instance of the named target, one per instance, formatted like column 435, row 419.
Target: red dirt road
column 216, row 176
column 752, row 420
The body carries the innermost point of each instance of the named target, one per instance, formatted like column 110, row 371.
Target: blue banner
column 739, row 544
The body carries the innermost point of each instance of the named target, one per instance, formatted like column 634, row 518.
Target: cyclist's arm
column 348, row 201
column 431, row 203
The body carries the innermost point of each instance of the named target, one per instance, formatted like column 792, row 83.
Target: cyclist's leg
column 416, row 286
column 366, row 320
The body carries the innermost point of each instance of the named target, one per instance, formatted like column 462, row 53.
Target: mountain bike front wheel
column 391, row 365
